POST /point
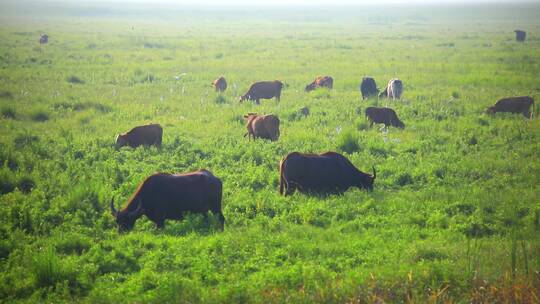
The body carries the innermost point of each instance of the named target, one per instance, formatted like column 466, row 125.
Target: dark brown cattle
column 320, row 82
column 263, row 90
column 520, row 104
column 165, row 196
column 368, row 87
column 262, row 126
column 386, row 116
column 220, row 84
column 142, row 135
column 520, row 35
column 43, row 39
column 329, row 172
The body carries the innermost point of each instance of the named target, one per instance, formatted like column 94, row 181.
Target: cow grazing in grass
column 43, row 39
column 142, row 135
column 329, row 172
column 520, row 35
column 521, row 104
column 220, row 84
column 165, row 196
column 263, row 90
column 320, row 82
column 368, row 87
column 386, row 116
column 262, row 126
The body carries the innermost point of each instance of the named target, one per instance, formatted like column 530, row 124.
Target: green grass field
column 454, row 216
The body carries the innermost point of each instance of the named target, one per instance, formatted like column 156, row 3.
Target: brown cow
column 320, row 82
column 170, row 196
column 263, row 90
column 520, row 104
column 329, row 172
column 142, row 135
column 220, row 84
column 386, row 116
column 262, row 126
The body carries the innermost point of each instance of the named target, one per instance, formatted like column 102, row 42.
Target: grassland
column 455, row 214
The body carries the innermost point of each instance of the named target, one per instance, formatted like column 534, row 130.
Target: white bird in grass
column 178, row 77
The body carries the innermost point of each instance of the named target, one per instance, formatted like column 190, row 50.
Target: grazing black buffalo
column 263, row 90
column 386, row 116
column 520, row 104
column 368, row 87
column 520, row 35
column 329, row 172
column 169, row 196
column 146, row 135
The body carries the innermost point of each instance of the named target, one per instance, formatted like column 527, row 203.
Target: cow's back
column 265, row 89
column 145, row 135
column 175, row 194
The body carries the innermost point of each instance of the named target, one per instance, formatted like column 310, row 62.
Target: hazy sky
column 293, row 2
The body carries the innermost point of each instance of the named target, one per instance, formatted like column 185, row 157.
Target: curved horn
column 137, row 211
column 374, row 172
column 113, row 210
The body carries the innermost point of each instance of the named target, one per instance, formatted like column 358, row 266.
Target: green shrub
column 8, row 112
column 220, row 99
column 348, row 142
column 39, row 116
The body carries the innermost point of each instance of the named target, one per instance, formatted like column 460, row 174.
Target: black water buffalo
column 520, row 104
column 146, row 135
column 43, row 39
column 263, row 90
column 386, row 116
column 320, row 82
column 520, row 35
column 220, row 84
column 170, row 196
column 329, row 172
column 368, row 87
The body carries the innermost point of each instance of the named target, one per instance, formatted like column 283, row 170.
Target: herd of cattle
column 170, row 196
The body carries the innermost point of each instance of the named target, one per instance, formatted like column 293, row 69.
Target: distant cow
column 368, row 87
column 329, row 172
column 170, row 196
column 220, row 84
column 520, row 104
column 262, row 126
column 386, row 116
column 520, row 35
column 263, row 90
column 142, row 135
column 394, row 89
column 43, row 39
column 320, row 82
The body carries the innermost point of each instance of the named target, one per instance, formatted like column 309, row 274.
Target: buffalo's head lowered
column 126, row 219
column 366, row 181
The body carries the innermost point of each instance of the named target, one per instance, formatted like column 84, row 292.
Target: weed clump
column 220, row 99
column 8, row 113
column 74, row 79
column 348, row 142
column 39, row 116
column 6, row 94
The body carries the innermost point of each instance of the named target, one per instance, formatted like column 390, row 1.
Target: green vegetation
column 454, row 216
